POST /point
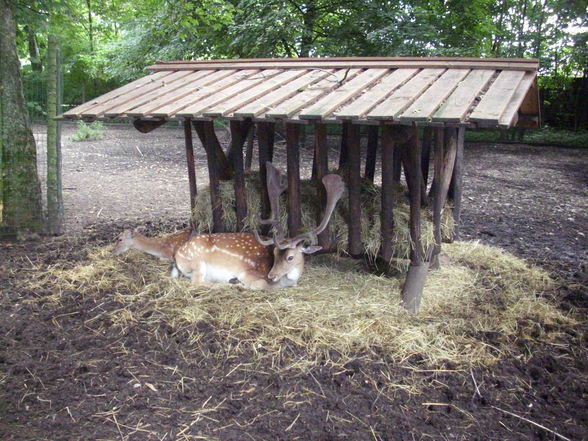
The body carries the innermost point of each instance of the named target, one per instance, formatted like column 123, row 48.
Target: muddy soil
column 67, row 375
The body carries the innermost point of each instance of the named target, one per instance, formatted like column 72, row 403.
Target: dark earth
column 66, row 375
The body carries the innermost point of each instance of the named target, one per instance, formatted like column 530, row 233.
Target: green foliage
column 88, row 132
column 544, row 136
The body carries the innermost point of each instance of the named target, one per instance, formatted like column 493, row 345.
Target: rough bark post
column 321, row 166
column 54, row 221
column 265, row 141
column 222, row 164
column 238, row 137
column 397, row 164
column 22, row 211
column 387, row 215
column 412, row 291
column 207, row 130
column 426, row 155
column 354, row 191
column 293, row 165
column 344, row 149
column 372, row 150
column 457, row 183
column 249, row 149
column 444, row 163
column 190, row 162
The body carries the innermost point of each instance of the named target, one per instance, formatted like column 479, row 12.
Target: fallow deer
column 255, row 262
column 162, row 247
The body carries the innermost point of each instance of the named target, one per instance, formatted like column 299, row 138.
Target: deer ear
column 310, row 249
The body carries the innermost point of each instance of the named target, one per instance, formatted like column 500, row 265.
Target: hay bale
column 474, row 310
column 370, row 215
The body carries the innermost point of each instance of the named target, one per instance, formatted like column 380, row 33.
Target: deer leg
column 253, row 279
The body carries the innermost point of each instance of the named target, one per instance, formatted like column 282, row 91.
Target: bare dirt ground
column 59, row 380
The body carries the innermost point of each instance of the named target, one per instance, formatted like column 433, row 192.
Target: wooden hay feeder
column 410, row 107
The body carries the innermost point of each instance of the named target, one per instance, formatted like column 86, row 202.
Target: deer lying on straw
column 246, row 258
column 162, row 247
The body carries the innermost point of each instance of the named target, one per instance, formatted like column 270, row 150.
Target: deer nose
column 272, row 277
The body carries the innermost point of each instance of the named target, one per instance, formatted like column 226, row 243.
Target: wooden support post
column 206, row 128
column 397, row 163
column 249, row 149
column 344, row 149
column 239, row 131
column 426, row 156
column 293, row 165
column 265, row 141
column 372, row 149
column 412, row 290
column 321, row 166
column 191, row 167
column 387, row 216
column 457, row 182
column 445, row 154
column 354, row 190
column 223, row 167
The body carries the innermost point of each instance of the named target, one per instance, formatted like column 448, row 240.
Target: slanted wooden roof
column 426, row 91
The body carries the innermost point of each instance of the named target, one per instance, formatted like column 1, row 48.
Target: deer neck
column 155, row 246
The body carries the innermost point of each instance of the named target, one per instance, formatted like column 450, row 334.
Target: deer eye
column 290, row 258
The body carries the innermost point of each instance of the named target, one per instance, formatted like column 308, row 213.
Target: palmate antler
column 276, row 185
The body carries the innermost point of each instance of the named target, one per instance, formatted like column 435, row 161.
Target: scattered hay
column 474, row 309
column 370, row 215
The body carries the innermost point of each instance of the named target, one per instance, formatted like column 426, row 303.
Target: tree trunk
column 54, row 225
column 21, row 190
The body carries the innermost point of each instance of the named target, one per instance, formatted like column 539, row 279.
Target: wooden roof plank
column 79, row 110
column 287, row 108
column 455, row 108
column 260, row 90
column 285, row 92
column 177, row 96
column 403, row 97
column 510, row 115
column 431, row 99
column 342, row 94
column 157, row 93
column 375, row 94
column 196, row 109
column 222, row 82
column 101, row 109
column 495, row 100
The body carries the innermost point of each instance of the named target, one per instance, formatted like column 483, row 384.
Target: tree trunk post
column 412, row 291
column 265, row 141
column 426, row 157
column 54, row 221
column 207, row 130
column 190, row 162
column 239, row 130
column 293, row 166
column 457, row 183
column 222, row 164
column 321, row 166
column 249, row 149
column 354, row 190
column 372, row 150
column 387, row 214
column 344, row 148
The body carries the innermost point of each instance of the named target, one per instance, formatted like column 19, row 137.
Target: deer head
column 289, row 252
column 162, row 247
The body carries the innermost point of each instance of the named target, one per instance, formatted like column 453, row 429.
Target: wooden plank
column 101, row 109
column 174, row 97
column 288, row 108
column 431, row 99
column 285, row 92
column 455, row 108
column 376, row 94
column 508, row 117
column 346, row 91
column 200, row 92
column 494, row 102
column 197, row 108
column 354, row 191
column 293, row 166
column 327, row 63
column 260, row 90
column 151, row 96
column 405, row 95
column 79, row 110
